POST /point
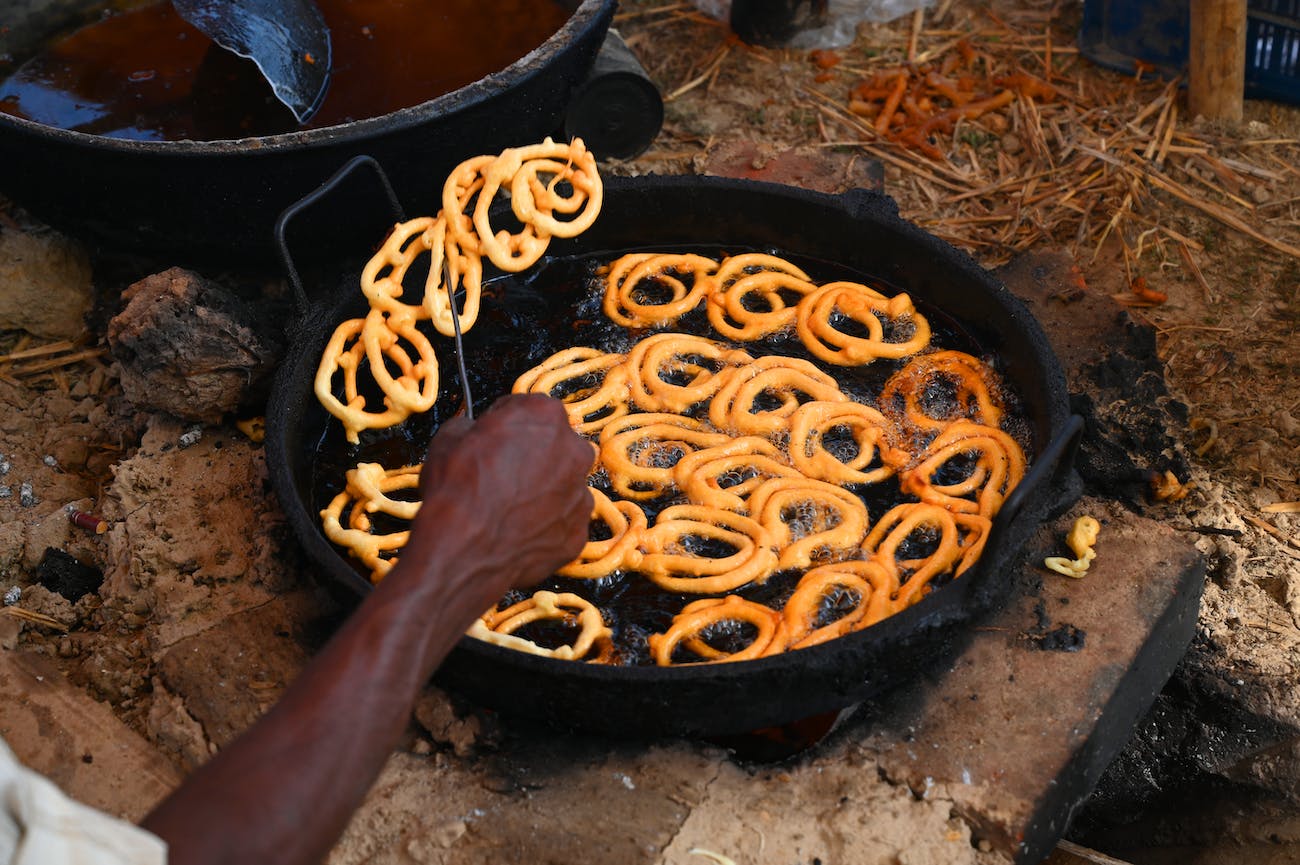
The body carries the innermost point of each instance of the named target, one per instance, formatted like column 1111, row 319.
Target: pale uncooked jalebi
column 592, row 642
column 368, row 492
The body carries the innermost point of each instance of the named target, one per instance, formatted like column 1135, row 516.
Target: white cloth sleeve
column 39, row 825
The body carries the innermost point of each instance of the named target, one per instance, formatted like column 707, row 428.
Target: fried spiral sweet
column 816, row 319
column 646, row 289
column 591, row 407
column 641, row 451
column 374, row 340
column 384, row 274
column 365, row 493
column 872, row 583
column 755, row 295
column 752, row 293
column 689, row 626
column 722, row 476
column 784, row 379
column 998, row 465
column 454, row 243
column 625, row 522
column 594, row 637
column 700, row 366
column 717, row 468
column 872, row 434
column 672, row 550
column 806, row 516
column 910, row 392
column 955, row 541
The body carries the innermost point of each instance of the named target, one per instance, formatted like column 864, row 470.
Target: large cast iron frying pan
column 859, row 230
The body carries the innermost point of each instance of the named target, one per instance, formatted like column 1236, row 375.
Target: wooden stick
column 1217, row 59
column 1211, row 296
column 55, row 363
column 36, row 618
column 918, row 19
column 1270, row 529
column 39, row 351
column 1069, row 853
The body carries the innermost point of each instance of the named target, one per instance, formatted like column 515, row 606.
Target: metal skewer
column 460, row 345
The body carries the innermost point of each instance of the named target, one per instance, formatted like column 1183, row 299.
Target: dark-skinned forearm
column 291, row 782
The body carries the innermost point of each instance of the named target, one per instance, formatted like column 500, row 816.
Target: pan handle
column 1052, row 464
column 282, row 223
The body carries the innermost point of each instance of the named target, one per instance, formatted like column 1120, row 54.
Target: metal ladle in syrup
column 288, row 40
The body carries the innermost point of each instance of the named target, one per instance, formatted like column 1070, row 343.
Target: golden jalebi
column 716, row 468
column 454, row 243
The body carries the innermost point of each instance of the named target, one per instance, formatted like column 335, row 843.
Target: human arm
column 504, row 504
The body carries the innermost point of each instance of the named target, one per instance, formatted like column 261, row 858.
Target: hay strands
column 1077, row 161
column 35, row 618
column 26, row 362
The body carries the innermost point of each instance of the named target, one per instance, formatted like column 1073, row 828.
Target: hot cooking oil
column 144, row 73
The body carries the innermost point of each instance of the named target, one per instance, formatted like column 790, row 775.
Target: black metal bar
column 1049, row 467
column 460, row 345
column 282, row 223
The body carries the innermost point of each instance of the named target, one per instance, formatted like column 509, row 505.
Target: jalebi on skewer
column 454, row 243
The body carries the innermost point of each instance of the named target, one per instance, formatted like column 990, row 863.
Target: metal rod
column 460, row 345
column 282, row 223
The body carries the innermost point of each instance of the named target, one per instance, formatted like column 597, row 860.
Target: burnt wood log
column 188, row 347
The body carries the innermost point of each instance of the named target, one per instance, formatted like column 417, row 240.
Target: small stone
column 5, row 465
column 13, row 595
column 6, row 491
column 26, row 495
column 1286, row 424
column 1259, row 194
column 1011, row 144
column 50, row 461
column 47, row 280
column 190, row 437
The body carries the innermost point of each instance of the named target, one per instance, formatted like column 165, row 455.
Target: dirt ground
column 204, row 615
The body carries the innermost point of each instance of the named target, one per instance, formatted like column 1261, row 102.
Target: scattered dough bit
column 1081, row 540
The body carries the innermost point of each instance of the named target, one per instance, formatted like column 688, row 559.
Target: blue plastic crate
column 1116, row 33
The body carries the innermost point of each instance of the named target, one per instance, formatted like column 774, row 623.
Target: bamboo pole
column 1217, row 59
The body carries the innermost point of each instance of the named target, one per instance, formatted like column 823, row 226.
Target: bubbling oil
column 144, row 73
column 525, row 319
